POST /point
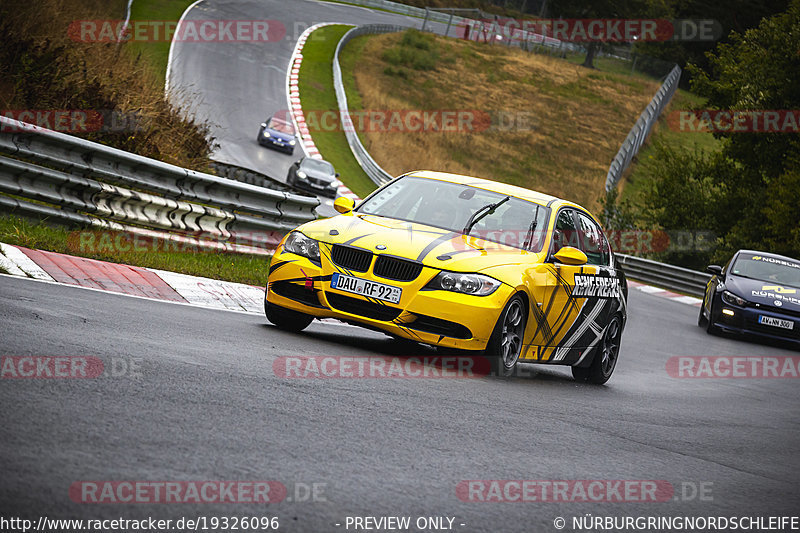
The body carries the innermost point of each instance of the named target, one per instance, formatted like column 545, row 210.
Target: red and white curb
column 296, row 109
column 135, row 282
column 171, row 286
column 131, row 281
column 663, row 293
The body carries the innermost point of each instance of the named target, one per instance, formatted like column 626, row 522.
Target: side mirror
column 569, row 255
column 715, row 269
column 343, row 204
column 263, row 124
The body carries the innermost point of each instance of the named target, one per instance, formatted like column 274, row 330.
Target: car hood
column 764, row 292
column 316, row 174
column 434, row 247
column 280, row 135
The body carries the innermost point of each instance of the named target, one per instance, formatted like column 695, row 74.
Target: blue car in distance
column 755, row 294
column 278, row 134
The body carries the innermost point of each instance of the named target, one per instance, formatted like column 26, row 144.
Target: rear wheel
column 505, row 344
column 286, row 319
column 605, row 357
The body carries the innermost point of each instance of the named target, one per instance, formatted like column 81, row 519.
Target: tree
column 609, row 9
column 748, row 193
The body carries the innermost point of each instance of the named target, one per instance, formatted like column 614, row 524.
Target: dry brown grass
column 580, row 116
column 41, row 68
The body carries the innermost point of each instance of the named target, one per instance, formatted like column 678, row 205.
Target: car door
column 598, row 282
column 578, row 300
column 555, row 310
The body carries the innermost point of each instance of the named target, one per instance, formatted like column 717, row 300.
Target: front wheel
column 286, row 319
column 605, row 358
column 709, row 324
column 505, row 344
column 702, row 321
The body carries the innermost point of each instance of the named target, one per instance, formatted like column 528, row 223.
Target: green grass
column 317, row 95
column 611, row 65
column 642, row 169
column 156, row 54
column 241, row 268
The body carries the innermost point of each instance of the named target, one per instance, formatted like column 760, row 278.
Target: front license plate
column 379, row 291
column 775, row 322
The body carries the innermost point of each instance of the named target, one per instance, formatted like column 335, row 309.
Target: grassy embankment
column 561, row 125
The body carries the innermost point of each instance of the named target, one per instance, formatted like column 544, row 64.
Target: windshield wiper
column 531, row 230
column 484, row 211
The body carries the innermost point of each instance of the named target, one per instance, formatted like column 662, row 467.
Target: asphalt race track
column 234, row 86
column 194, row 395
column 205, row 404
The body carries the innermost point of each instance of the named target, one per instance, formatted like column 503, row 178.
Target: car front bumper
column 436, row 317
column 745, row 321
column 274, row 142
column 316, row 189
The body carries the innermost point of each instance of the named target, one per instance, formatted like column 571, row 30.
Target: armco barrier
column 371, row 168
column 636, row 137
column 662, row 275
column 45, row 173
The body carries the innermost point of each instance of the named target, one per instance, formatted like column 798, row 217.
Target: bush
column 416, row 50
column 44, row 70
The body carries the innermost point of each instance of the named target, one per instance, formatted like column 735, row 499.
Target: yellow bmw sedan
column 460, row 262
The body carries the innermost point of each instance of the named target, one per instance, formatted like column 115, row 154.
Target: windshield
column 449, row 206
column 280, row 125
column 317, row 165
column 765, row 268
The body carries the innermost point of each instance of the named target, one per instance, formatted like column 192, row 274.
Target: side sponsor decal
column 587, row 286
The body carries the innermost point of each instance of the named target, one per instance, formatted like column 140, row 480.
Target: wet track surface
column 234, row 86
column 207, row 405
column 204, row 401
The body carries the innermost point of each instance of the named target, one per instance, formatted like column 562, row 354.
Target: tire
column 286, row 319
column 711, row 329
column 702, row 321
column 505, row 344
column 605, row 357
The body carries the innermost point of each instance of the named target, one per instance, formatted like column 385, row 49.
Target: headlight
column 292, row 142
column 266, row 133
column 301, row 174
column 299, row 244
column 476, row 284
column 729, row 298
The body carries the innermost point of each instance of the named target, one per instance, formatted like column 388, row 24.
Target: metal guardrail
column 490, row 29
column 44, row 173
column 371, row 168
column 636, row 137
column 663, row 275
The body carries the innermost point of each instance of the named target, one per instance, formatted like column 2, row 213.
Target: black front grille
column 363, row 308
column 397, row 269
column 293, row 291
column 351, row 258
column 791, row 313
column 438, row 326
